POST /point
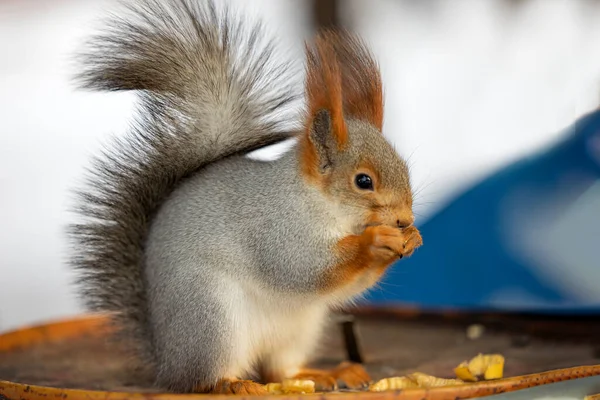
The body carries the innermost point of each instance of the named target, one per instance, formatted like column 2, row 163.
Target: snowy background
column 470, row 86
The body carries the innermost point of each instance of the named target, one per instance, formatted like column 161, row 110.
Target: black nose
column 403, row 224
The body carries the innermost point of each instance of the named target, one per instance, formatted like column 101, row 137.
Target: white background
column 470, row 86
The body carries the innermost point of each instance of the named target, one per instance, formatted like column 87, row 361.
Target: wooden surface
column 76, row 355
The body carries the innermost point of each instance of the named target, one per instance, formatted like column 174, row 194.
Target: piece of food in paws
column 481, row 367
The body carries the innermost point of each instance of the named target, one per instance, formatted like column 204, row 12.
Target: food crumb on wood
column 480, row 367
column 475, row 331
column 291, row 386
column 414, row 380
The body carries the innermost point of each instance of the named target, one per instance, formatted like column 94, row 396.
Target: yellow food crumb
column 428, row 381
column 482, row 366
column 414, row 380
column 291, row 386
column 297, row 386
column 395, row 383
column 274, row 388
column 462, row 372
column 475, row 331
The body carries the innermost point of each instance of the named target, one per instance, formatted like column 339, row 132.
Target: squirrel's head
column 343, row 150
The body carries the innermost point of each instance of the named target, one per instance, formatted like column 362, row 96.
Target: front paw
column 412, row 240
column 387, row 244
column 384, row 243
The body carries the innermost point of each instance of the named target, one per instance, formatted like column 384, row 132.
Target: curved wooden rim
column 96, row 325
column 52, row 331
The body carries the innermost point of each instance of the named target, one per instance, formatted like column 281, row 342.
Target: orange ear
column 324, row 87
column 362, row 90
column 343, row 78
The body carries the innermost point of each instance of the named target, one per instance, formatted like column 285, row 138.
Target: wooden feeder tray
column 72, row 359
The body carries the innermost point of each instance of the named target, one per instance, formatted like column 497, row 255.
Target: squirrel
column 221, row 269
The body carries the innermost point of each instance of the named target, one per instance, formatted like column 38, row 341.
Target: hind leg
column 346, row 375
column 236, row 386
column 298, row 336
column 211, row 360
column 199, row 335
column 287, row 360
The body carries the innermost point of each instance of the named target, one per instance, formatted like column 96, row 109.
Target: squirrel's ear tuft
column 362, row 89
column 344, row 79
column 324, row 89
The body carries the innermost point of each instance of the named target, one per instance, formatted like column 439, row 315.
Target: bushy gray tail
column 209, row 88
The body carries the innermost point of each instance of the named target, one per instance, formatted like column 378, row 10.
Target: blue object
column 526, row 238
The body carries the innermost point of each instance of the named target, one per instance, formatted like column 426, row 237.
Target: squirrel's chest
column 273, row 321
column 340, row 223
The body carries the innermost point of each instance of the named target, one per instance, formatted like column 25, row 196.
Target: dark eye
column 364, row 181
